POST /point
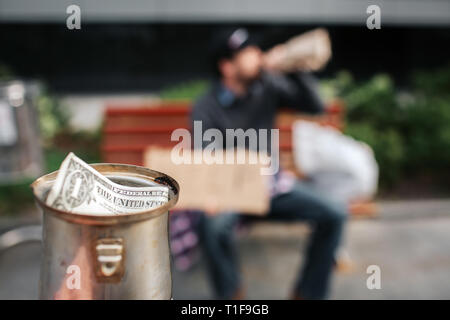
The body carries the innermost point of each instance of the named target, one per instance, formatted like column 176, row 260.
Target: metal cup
column 123, row 256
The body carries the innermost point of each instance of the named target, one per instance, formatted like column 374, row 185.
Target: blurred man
column 247, row 94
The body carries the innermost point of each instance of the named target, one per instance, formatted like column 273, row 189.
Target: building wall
column 394, row 12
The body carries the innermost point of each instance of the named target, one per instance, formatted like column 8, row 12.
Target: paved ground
column 409, row 241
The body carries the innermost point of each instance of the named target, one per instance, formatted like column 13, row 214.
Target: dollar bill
column 79, row 188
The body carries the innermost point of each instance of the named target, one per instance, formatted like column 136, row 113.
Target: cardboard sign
column 214, row 188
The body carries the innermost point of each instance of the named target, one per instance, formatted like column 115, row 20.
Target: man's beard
column 248, row 81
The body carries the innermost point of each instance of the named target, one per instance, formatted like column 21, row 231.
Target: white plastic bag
column 337, row 164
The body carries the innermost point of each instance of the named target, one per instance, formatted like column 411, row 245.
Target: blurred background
column 67, row 90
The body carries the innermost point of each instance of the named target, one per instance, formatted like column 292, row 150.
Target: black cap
column 228, row 42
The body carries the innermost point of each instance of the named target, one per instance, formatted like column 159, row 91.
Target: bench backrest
column 130, row 129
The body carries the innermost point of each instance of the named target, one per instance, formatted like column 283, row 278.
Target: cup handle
column 109, row 259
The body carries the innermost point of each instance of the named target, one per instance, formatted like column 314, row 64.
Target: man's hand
column 273, row 59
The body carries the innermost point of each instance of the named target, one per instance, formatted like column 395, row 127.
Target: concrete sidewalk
column 414, row 257
column 409, row 241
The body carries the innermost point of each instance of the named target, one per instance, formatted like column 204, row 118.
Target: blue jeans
column 300, row 204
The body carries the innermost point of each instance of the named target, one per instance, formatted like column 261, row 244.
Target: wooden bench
column 129, row 129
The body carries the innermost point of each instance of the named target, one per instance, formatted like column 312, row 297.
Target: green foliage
column 387, row 145
column 432, row 83
column 428, row 133
column 52, row 117
column 408, row 130
column 6, row 73
column 14, row 197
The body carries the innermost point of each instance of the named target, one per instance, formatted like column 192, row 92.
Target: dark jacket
column 221, row 109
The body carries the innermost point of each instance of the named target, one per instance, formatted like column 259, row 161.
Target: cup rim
column 117, row 169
